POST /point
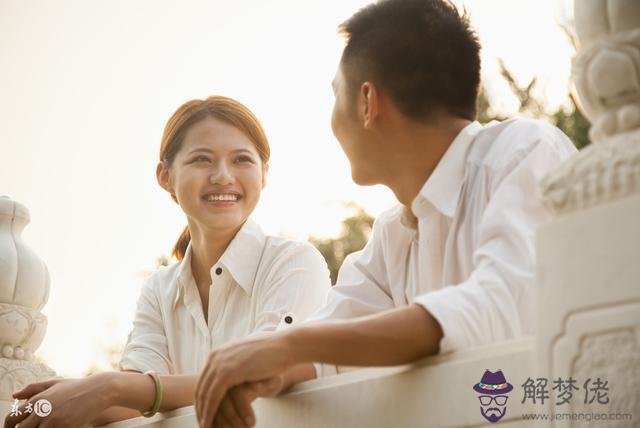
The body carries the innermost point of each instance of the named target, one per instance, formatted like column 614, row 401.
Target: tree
column 569, row 119
column 356, row 229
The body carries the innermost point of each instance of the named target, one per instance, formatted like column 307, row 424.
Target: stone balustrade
column 434, row 392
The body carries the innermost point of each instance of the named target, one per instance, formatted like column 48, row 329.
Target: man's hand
column 397, row 336
column 235, row 408
column 237, row 374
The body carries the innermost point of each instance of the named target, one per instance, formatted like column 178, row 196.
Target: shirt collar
column 443, row 186
column 240, row 259
column 242, row 256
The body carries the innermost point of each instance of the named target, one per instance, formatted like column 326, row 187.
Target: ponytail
column 180, row 248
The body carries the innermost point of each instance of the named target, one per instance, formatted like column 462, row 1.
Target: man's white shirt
column 471, row 259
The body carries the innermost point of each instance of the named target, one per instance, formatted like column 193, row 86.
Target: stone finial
column 606, row 73
column 24, row 290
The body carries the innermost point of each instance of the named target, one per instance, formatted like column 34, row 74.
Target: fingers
column 201, row 401
column 203, row 382
column 209, row 393
column 34, row 388
column 241, row 398
column 13, row 419
column 268, row 387
column 30, row 421
column 213, row 394
column 228, row 411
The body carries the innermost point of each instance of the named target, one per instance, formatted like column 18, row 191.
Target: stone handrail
column 435, row 392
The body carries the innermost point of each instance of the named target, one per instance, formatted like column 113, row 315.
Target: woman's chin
column 225, row 221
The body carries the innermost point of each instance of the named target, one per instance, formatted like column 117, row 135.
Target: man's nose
column 221, row 174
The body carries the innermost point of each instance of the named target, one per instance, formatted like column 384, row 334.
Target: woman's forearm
column 115, row 414
column 137, row 391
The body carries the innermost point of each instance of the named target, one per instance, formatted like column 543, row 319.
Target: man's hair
column 422, row 53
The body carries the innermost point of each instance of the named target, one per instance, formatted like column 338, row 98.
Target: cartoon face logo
column 492, row 390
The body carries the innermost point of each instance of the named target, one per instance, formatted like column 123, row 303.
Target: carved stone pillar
column 589, row 255
column 24, row 290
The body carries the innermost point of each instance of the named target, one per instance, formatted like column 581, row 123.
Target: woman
column 231, row 280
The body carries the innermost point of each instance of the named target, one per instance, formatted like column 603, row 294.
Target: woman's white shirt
column 260, row 284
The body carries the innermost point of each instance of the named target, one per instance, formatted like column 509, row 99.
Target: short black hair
column 422, row 53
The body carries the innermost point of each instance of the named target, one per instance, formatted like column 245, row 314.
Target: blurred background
column 86, row 88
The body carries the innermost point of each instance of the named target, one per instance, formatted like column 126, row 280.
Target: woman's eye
column 200, row 159
column 242, row 159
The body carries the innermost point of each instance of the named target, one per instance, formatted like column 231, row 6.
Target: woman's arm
column 105, row 397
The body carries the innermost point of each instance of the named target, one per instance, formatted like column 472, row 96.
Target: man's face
column 347, row 126
column 493, row 407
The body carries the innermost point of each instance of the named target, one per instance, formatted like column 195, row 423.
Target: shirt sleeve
column 296, row 286
column 146, row 347
column 496, row 302
column 361, row 289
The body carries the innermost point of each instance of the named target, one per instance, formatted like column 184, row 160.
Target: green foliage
column 573, row 123
column 354, row 235
column 569, row 119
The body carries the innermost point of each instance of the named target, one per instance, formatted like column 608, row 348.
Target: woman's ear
column 164, row 178
column 265, row 170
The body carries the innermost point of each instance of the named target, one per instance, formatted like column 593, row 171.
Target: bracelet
column 158, row 400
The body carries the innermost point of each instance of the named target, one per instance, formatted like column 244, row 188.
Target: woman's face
column 216, row 176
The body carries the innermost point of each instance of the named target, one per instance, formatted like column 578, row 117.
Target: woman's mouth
column 222, row 199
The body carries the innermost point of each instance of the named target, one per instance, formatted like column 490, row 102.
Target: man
column 452, row 266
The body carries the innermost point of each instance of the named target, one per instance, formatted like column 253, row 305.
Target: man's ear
column 371, row 100
column 265, row 170
column 164, row 179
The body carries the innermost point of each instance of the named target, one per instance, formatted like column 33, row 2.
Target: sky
column 86, row 88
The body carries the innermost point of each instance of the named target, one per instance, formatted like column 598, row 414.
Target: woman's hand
column 74, row 402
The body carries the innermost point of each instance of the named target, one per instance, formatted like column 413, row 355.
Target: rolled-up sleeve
column 362, row 289
column 146, row 347
column 496, row 302
column 296, row 287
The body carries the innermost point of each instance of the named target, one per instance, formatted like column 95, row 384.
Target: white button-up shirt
column 471, row 260
column 260, row 284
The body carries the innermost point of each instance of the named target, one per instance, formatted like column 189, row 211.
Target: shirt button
column 288, row 319
column 218, row 271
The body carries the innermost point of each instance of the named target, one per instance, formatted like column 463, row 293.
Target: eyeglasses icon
column 500, row 400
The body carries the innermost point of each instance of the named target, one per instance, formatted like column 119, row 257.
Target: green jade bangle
column 156, row 404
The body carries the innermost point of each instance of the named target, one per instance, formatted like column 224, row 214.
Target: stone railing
column 434, row 392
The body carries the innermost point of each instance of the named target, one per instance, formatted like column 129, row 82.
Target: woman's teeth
column 228, row 197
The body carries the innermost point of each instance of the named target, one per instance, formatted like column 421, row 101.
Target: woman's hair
column 220, row 108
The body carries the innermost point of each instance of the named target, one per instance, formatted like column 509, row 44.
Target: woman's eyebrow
column 207, row 150
column 201, row 149
column 243, row 151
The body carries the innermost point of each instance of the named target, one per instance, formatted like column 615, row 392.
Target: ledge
column 435, row 391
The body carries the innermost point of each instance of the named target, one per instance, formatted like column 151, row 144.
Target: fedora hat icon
column 493, row 384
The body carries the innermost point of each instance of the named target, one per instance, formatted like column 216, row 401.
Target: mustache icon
column 493, row 410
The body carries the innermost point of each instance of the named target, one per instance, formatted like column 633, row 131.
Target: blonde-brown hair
column 218, row 107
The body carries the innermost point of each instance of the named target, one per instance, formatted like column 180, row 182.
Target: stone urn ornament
column 24, row 290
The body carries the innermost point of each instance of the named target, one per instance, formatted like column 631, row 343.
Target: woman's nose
column 221, row 174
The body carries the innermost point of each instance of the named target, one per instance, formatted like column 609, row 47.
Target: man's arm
column 377, row 340
column 396, row 336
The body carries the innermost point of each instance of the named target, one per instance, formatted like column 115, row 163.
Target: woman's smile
column 222, row 199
